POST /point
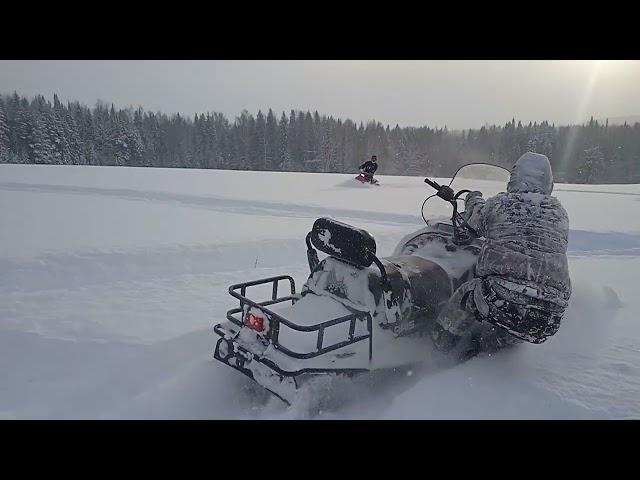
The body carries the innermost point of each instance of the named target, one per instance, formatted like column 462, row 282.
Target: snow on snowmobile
column 356, row 312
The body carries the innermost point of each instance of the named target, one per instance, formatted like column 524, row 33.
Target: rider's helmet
column 374, row 159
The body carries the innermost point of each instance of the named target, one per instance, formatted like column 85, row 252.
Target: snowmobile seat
column 350, row 244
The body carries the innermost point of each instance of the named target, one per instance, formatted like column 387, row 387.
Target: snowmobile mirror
column 347, row 243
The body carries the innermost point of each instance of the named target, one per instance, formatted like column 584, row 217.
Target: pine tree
column 197, row 142
column 210, row 143
column 101, row 128
column 220, row 127
column 242, row 134
column 593, row 165
column 5, row 151
column 41, row 149
column 294, row 137
column 340, row 147
column 258, row 146
column 41, row 146
column 24, row 128
column 283, row 162
column 271, row 142
column 135, row 145
column 309, row 147
column 74, row 142
column 119, row 138
column 58, row 133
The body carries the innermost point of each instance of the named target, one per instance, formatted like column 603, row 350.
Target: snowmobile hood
column 531, row 174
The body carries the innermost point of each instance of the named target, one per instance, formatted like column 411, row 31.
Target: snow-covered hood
column 531, row 174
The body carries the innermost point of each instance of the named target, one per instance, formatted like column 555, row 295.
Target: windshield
column 486, row 178
column 489, row 179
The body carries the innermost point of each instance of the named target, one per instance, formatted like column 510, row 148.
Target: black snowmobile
column 356, row 312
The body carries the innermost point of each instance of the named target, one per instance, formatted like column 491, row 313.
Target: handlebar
column 444, row 191
column 432, row 183
column 460, row 226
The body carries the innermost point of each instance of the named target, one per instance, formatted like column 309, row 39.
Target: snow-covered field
column 112, row 278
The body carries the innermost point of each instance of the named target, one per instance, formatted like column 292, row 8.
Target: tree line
column 40, row 132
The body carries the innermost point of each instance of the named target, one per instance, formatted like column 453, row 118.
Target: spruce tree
column 5, row 151
column 258, row 145
column 283, row 162
column 271, row 142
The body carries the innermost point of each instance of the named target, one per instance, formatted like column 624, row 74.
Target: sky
column 456, row 93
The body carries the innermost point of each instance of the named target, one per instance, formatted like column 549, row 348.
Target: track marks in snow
column 606, row 192
column 588, row 243
column 81, row 269
column 129, row 310
column 71, row 270
column 229, row 205
column 170, row 379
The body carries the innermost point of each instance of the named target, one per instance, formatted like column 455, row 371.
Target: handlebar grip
column 432, row 183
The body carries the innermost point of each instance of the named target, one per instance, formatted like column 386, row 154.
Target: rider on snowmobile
column 368, row 168
column 522, row 283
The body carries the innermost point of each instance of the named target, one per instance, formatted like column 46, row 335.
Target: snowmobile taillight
column 254, row 322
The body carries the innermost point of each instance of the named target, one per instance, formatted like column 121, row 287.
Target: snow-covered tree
column 37, row 131
column 283, row 158
column 5, row 148
column 270, row 141
column 593, row 165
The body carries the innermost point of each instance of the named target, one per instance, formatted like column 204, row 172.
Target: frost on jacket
column 526, row 232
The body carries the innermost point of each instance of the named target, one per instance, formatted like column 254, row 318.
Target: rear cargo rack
column 277, row 320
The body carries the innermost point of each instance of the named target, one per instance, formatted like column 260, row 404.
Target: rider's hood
column 531, row 174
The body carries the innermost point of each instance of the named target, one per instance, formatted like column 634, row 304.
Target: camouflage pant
column 460, row 328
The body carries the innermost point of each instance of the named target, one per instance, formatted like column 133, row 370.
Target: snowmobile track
column 222, row 204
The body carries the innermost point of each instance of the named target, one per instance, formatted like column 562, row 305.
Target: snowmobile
column 356, row 312
column 365, row 178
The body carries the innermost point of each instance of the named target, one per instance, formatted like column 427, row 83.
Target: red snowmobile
column 367, row 178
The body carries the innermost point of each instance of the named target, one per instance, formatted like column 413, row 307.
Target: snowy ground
column 111, row 279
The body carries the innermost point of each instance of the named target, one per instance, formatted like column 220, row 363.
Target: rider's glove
column 475, row 193
column 472, row 199
column 446, row 193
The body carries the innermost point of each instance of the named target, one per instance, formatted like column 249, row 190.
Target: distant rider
column 368, row 168
column 522, row 283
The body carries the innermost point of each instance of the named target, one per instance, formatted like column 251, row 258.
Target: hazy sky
column 460, row 94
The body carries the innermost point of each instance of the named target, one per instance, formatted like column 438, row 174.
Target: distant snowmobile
column 368, row 170
column 356, row 312
column 365, row 178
